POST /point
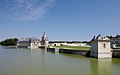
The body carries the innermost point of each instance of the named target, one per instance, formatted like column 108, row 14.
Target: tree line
column 114, row 37
column 9, row 42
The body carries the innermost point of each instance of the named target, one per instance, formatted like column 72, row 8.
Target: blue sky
column 60, row 19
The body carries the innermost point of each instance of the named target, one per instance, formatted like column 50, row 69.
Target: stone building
column 115, row 41
column 67, row 44
column 29, row 43
column 100, row 47
column 33, row 42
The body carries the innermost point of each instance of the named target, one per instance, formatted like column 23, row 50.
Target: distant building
column 115, row 41
column 33, row 42
column 100, row 47
column 68, row 43
column 29, row 43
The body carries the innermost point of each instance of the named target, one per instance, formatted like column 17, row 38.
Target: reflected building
column 101, row 67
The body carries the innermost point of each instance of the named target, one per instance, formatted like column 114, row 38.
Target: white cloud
column 38, row 12
column 25, row 10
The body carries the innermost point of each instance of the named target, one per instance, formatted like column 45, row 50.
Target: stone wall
column 51, row 49
column 78, row 52
column 116, row 54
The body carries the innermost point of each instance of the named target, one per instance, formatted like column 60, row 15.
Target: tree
column 9, row 42
column 117, row 36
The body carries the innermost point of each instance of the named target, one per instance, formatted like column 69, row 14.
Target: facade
column 33, row 42
column 67, row 44
column 28, row 43
column 75, row 44
column 100, row 47
column 56, row 44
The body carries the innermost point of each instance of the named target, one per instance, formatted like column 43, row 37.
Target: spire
column 44, row 37
column 43, row 33
column 93, row 38
column 98, row 36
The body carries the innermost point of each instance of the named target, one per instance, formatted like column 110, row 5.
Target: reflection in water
column 57, row 53
column 101, row 66
column 116, row 61
column 41, row 62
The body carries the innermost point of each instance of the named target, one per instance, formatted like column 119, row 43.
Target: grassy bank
column 71, row 47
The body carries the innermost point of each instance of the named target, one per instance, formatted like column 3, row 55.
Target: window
column 104, row 45
column 54, row 44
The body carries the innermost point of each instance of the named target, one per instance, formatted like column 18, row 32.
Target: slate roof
column 100, row 37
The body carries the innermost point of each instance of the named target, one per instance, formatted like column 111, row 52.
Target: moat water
column 14, row 61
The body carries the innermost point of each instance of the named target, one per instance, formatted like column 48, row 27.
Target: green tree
column 9, row 42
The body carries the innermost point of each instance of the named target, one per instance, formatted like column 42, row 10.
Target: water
column 40, row 62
